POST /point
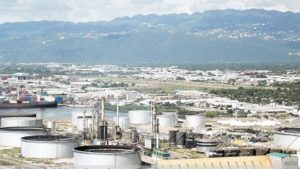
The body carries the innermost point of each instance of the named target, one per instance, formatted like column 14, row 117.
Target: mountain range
column 220, row 36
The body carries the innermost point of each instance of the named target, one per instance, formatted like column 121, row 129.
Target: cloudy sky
column 94, row 10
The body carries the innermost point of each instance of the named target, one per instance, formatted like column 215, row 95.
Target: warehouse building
column 272, row 161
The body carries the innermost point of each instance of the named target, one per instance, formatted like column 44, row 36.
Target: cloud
column 94, row 10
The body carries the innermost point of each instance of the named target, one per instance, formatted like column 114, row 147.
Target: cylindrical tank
column 2, row 115
column 172, row 137
column 194, row 121
column 51, row 125
column 175, row 114
column 166, row 121
column 259, row 151
column 123, row 122
column 75, row 115
column 190, row 143
column 180, row 138
column 287, row 138
column 11, row 136
column 5, row 115
column 103, row 129
column 205, row 145
column 48, row 146
column 247, row 151
column 103, row 157
column 134, row 136
column 139, row 117
column 231, row 151
column 21, row 122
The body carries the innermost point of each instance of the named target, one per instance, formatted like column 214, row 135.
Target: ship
column 28, row 105
column 27, row 100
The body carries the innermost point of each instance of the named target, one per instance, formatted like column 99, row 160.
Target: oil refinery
column 143, row 139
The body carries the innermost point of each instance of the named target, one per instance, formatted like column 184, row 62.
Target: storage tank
column 231, row 151
column 172, row 137
column 190, row 143
column 134, row 136
column 166, row 121
column 180, row 138
column 139, row 117
column 288, row 138
column 51, row 125
column 5, row 115
column 123, row 122
column 194, row 121
column 108, row 156
column 18, row 115
column 205, row 145
column 21, row 122
column 48, row 146
column 175, row 114
column 11, row 136
column 247, row 151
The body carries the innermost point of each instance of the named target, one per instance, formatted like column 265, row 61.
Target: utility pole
column 155, row 125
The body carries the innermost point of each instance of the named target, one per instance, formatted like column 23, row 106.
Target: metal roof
column 279, row 155
column 251, row 162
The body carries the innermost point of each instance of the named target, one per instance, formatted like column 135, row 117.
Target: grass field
column 170, row 86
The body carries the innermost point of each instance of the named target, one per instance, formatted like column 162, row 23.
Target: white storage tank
column 166, row 121
column 139, row 117
column 6, row 115
column 175, row 114
column 11, row 136
column 18, row 115
column 288, row 138
column 103, row 157
column 194, row 121
column 48, row 146
column 21, row 122
column 76, row 114
column 205, row 145
column 123, row 122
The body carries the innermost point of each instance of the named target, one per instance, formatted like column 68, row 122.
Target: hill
column 225, row 36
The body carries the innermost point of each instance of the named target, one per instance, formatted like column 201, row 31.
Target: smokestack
column 97, row 121
column 93, row 125
column 117, row 111
column 103, row 109
column 157, row 135
column 153, row 113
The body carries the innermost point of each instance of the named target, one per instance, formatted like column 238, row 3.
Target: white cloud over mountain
column 94, row 10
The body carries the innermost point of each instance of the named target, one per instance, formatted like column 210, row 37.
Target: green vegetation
column 167, row 107
column 245, row 130
column 31, row 69
column 212, row 114
column 126, row 108
column 109, row 85
column 284, row 94
column 242, row 114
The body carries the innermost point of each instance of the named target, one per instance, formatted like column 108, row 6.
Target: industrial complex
column 124, row 127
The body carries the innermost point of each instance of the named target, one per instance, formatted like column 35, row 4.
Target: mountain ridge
column 250, row 36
